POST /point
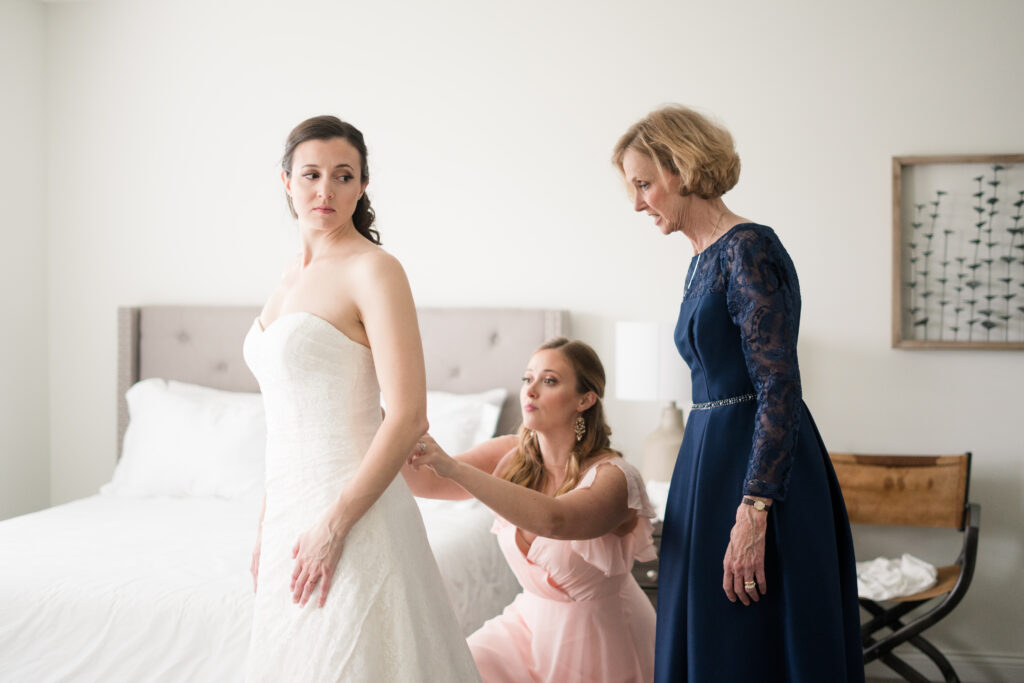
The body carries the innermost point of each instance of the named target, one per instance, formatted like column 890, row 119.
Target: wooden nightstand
column 646, row 573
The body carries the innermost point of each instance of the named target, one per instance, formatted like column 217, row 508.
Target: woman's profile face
column 324, row 184
column 548, row 396
column 654, row 192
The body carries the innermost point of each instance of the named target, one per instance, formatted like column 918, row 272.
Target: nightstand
column 646, row 573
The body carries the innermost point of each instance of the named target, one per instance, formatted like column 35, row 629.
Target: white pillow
column 187, row 440
column 460, row 421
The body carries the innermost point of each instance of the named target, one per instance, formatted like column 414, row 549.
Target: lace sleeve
column 763, row 297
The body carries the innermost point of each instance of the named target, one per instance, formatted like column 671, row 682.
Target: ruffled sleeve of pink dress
column 581, row 615
column 615, row 554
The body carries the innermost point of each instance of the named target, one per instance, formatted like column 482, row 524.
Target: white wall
column 490, row 127
column 24, row 418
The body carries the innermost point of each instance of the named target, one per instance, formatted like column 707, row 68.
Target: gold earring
column 580, row 428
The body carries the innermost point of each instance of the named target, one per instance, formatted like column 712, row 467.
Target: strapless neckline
column 387, row 617
column 258, row 324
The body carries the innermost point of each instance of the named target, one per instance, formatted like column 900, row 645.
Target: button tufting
column 183, row 337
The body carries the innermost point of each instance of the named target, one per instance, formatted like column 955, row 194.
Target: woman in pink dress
column 571, row 517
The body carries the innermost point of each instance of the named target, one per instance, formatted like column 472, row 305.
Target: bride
column 346, row 585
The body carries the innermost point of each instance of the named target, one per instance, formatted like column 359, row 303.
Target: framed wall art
column 958, row 251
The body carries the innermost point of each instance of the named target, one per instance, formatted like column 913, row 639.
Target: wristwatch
column 759, row 505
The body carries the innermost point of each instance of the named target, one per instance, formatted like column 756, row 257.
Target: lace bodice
column 749, row 271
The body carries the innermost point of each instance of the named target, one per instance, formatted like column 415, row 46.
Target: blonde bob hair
column 688, row 144
column 526, row 467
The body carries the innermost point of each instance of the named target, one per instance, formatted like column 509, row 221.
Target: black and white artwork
column 959, row 233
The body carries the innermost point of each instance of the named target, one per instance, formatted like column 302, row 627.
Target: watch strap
column 758, row 505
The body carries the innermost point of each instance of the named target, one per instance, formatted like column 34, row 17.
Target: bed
column 152, row 583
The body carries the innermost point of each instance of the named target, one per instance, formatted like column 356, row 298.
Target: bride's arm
column 382, row 295
column 388, row 314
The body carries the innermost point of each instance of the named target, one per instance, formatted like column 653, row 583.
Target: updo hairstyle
column 328, row 128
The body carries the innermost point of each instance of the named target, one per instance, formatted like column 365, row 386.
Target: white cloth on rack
column 884, row 579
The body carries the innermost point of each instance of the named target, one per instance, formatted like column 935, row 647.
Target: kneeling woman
column 571, row 517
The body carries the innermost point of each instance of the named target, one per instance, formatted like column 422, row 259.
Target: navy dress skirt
column 750, row 433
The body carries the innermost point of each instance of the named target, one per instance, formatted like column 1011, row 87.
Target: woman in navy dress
column 757, row 578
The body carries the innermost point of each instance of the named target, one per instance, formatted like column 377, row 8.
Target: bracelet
column 758, row 505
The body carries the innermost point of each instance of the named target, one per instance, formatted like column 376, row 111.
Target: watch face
column 758, row 505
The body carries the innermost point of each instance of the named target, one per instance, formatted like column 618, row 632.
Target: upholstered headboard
column 466, row 349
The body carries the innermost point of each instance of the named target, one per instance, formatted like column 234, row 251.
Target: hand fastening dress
column 387, row 616
column 750, row 433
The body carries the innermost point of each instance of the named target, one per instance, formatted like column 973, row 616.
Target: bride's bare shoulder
column 376, row 264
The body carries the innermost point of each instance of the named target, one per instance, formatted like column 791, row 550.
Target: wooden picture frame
column 958, row 252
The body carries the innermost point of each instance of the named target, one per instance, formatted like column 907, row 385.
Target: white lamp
column 648, row 368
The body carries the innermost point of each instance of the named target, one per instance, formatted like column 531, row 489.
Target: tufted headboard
column 466, row 349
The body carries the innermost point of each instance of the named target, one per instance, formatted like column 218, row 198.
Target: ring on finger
column 750, row 585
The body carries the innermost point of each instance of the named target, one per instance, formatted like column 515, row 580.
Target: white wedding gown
column 387, row 616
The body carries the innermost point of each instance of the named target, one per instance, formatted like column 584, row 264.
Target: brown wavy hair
column 328, row 128
column 688, row 144
column 526, row 467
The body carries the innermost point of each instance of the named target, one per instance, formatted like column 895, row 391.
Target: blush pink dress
column 581, row 615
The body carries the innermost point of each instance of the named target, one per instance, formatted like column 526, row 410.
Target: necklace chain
column 696, row 263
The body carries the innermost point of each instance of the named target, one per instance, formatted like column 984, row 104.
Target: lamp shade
column 647, row 365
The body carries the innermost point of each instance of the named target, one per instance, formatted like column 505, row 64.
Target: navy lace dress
column 737, row 331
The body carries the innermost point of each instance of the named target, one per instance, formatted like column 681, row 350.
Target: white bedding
column 158, row 589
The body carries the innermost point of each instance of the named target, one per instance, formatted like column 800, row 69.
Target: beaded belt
column 723, row 402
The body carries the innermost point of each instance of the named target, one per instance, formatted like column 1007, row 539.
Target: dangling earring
column 580, row 428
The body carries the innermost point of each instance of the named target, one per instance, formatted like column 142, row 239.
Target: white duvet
column 158, row 589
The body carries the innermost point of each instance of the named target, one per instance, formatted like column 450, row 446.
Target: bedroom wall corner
column 24, row 363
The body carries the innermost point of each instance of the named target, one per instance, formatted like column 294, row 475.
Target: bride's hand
column 316, row 555
column 426, row 453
